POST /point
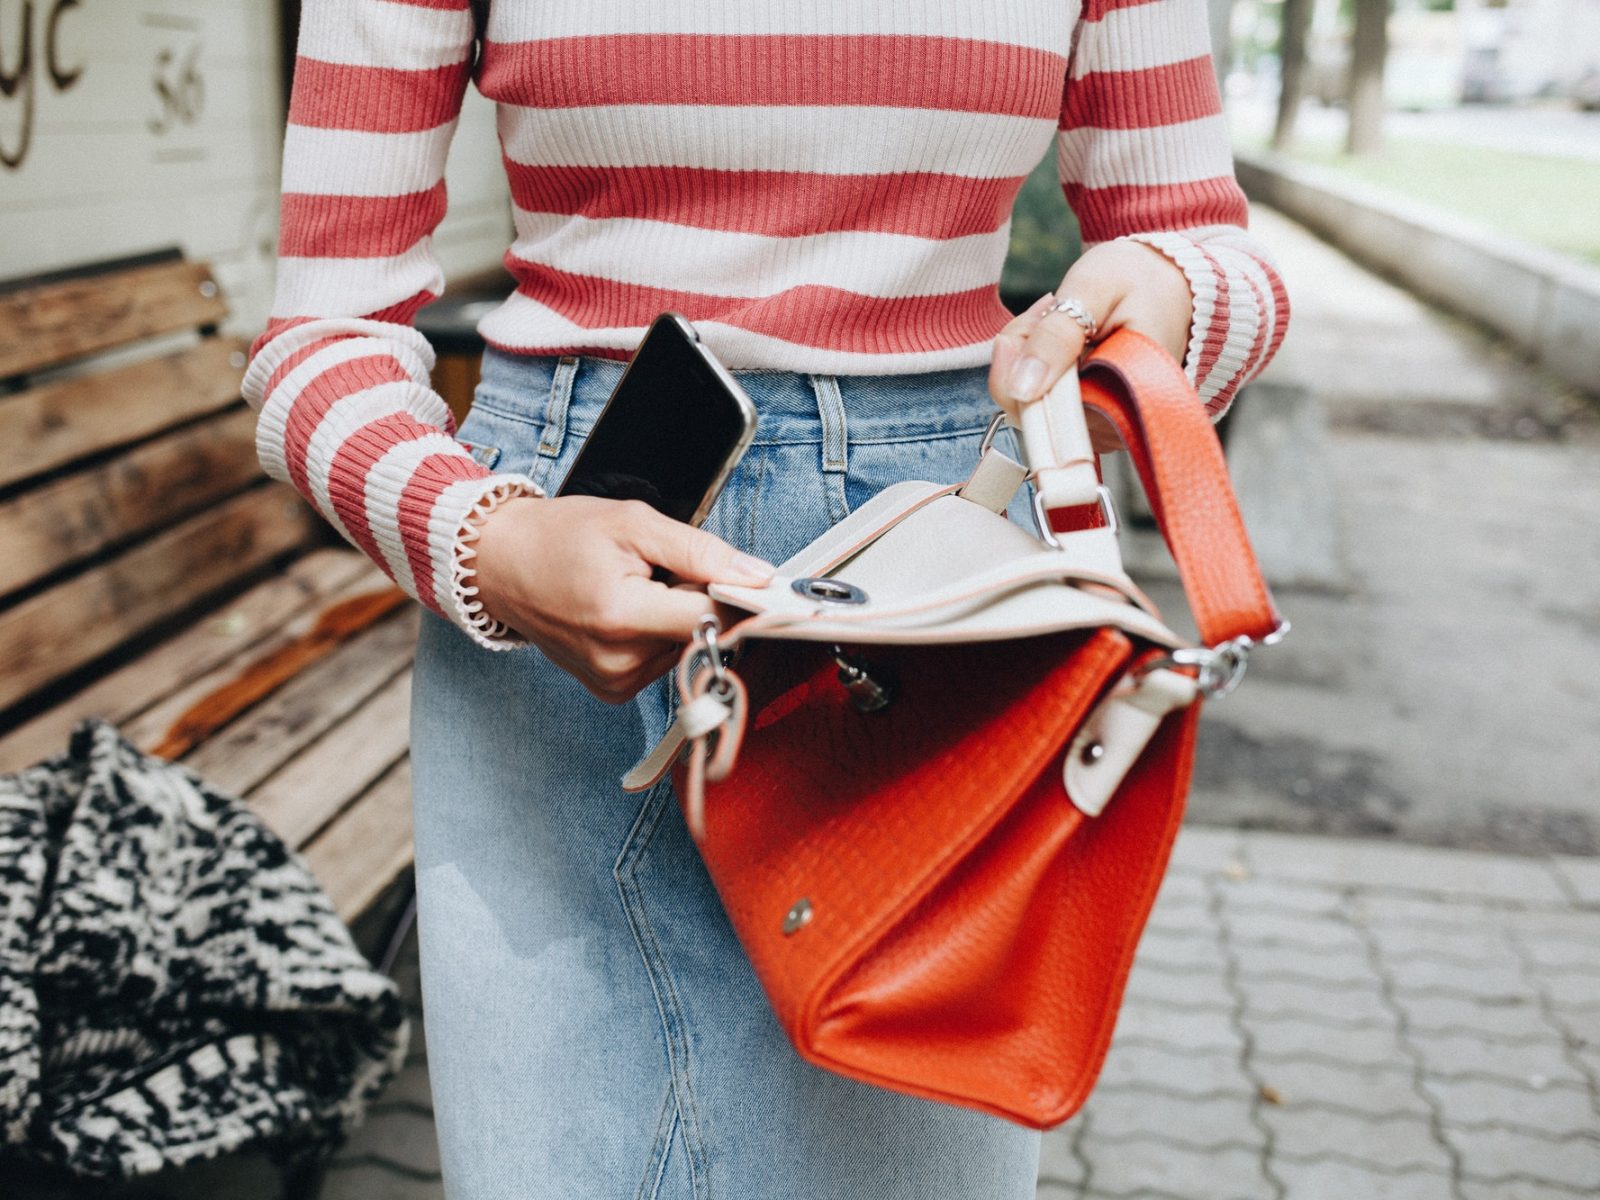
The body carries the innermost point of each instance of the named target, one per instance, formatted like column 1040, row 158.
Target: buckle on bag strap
column 1219, row 667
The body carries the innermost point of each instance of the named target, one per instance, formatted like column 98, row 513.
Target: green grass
column 1553, row 202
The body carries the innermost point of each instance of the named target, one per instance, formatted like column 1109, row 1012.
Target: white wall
column 112, row 168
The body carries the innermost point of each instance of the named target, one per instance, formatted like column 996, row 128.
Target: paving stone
column 1582, row 877
column 1517, row 1018
column 1059, row 1167
column 1563, row 922
column 1285, row 1039
column 1583, row 1024
column 1392, row 910
column 1571, row 990
column 1180, row 1029
column 1484, row 980
column 1561, row 953
column 1514, row 1190
column 1291, row 930
column 1277, row 895
column 1179, row 888
column 1188, row 988
column 1119, row 1114
column 1182, row 949
column 1339, row 1006
column 1485, row 944
column 1453, row 873
column 409, row 1087
column 1122, row 1169
column 366, row 1181
column 1256, row 961
column 1495, row 1155
column 1375, row 1090
column 1384, row 1142
column 1151, row 1069
column 1325, row 1180
column 400, row 1136
column 1201, row 850
column 1446, row 1055
column 1555, row 1110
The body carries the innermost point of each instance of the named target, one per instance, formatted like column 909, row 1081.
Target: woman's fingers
column 1008, row 348
column 690, row 553
column 1055, row 340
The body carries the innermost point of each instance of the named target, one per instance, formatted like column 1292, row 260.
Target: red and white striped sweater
column 820, row 185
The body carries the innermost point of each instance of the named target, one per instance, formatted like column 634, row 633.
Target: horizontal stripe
column 775, row 70
column 1183, row 153
column 1023, row 22
column 524, row 325
column 1143, row 35
column 823, row 316
column 775, row 203
column 751, row 266
column 1110, row 212
column 375, row 99
column 386, row 481
column 358, row 226
column 334, row 470
column 849, row 140
column 354, row 287
column 1183, row 91
column 349, row 162
column 381, row 33
column 426, row 552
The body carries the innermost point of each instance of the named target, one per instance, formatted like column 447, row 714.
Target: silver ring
column 1078, row 313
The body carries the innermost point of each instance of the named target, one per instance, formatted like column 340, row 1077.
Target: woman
column 823, row 187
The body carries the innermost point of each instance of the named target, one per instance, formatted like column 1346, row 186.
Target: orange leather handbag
column 938, row 792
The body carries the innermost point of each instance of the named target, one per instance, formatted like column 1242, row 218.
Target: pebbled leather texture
column 924, row 904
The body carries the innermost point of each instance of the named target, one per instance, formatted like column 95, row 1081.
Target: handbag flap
column 922, row 542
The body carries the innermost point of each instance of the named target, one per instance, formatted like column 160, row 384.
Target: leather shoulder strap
column 1175, row 450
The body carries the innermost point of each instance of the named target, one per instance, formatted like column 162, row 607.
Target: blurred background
column 1420, row 469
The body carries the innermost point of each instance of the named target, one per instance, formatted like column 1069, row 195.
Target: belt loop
column 835, row 444
column 555, row 409
column 830, row 408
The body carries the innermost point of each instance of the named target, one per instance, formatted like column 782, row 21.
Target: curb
column 1546, row 304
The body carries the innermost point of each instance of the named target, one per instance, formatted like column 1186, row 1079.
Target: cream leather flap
column 1116, row 733
column 994, row 482
column 953, row 571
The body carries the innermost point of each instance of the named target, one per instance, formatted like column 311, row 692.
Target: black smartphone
column 673, row 430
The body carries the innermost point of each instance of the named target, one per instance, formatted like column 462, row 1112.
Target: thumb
column 695, row 555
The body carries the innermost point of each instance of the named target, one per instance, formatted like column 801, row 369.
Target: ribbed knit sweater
column 819, row 185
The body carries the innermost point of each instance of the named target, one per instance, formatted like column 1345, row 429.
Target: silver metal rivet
column 829, row 591
column 797, row 918
column 208, row 289
column 1092, row 753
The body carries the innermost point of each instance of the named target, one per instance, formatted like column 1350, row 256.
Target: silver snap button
column 1092, row 753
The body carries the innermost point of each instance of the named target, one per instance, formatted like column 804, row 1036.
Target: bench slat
column 73, row 623
column 314, row 787
column 357, row 858
column 238, row 758
column 73, row 518
column 169, row 677
column 58, row 423
column 51, row 323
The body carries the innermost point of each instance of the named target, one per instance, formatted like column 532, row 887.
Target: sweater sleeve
column 1143, row 152
column 340, row 378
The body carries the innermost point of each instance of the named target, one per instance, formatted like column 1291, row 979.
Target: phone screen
column 670, row 431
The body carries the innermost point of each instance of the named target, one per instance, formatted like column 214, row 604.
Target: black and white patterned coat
column 173, row 982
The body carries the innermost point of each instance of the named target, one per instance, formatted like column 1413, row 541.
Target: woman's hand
column 1124, row 285
column 572, row 575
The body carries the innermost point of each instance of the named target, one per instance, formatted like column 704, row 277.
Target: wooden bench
column 151, row 575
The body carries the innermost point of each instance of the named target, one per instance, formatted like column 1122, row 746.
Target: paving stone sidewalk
column 1309, row 1018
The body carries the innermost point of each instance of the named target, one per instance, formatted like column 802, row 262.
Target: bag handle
column 1144, row 393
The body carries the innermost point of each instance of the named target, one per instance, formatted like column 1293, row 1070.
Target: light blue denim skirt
column 594, row 1030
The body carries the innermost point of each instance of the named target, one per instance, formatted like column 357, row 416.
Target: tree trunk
column 1292, row 69
column 1369, row 47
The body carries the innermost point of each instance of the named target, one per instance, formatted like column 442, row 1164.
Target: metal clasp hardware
column 705, row 639
column 1219, row 667
column 1041, row 519
column 871, row 687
